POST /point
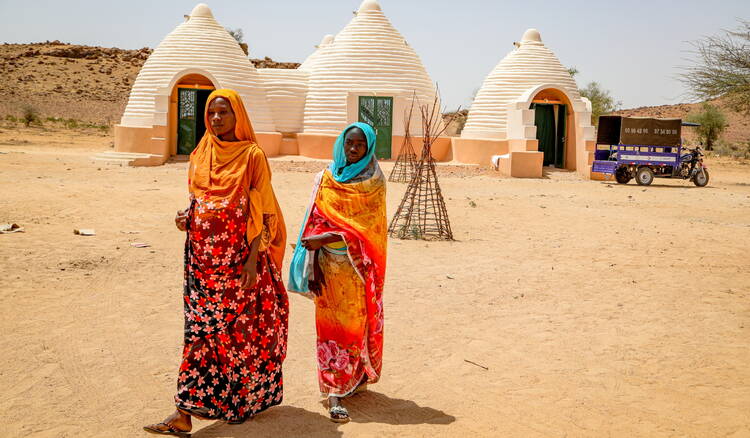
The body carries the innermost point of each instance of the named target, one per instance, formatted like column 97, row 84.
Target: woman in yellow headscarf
column 235, row 303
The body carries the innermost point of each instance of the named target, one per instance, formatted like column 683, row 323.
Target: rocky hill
column 737, row 132
column 91, row 84
column 84, row 83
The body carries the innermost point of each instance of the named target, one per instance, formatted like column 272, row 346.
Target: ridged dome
column 201, row 44
column 286, row 90
column 369, row 55
column 530, row 64
column 309, row 63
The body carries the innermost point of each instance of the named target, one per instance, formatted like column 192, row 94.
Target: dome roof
column 200, row 45
column 370, row 56
column 310, row 61
column 529, row 65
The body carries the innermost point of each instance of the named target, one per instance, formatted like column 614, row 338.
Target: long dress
column 349, row 310
column 235, row 340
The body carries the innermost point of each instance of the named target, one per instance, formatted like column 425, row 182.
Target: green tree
column 721, row 68
column 602, row 101
column 712, row 124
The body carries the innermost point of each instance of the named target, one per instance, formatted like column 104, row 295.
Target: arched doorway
column 187, row 107
column 552, row 111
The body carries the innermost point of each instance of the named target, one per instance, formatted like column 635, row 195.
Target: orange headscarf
column 223, row 170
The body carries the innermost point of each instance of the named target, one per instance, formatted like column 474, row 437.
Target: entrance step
column 128, row 159
column 519, row 164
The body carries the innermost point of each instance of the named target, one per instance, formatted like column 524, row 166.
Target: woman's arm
column 250, row 270
column 313, row 243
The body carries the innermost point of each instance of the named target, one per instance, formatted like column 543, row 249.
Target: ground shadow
column 374, row 407
column 277, row 421
column 687, row 186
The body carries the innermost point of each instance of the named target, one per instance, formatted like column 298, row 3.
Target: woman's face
column 221, row 117
column 355, row 145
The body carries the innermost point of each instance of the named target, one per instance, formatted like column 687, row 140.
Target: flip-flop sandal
column 339, row 414
column 171, row 430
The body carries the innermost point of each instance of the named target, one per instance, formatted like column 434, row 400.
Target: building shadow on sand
column 367, row 407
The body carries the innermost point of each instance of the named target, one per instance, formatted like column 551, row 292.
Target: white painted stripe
column 647, row 158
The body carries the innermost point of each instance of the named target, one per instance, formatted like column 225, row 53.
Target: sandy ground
column 565, row 307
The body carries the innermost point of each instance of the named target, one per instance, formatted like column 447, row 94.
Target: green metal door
column 191, row 105
column 377, row 112
column 544, row 120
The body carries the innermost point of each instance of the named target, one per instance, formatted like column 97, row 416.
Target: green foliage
column 573, row 71
column 735, row 150
column 30, row 115
column 11, row 118
column 602, row 101
column 712, row 124
column 721, row 68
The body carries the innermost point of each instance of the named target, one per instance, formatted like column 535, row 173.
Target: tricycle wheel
column 701, row 178
column 644, row 176
column 622, row 175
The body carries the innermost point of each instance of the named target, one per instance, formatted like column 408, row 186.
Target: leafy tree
column 602, row 101
column 712, row 124
column 721, row 67
column 573, row 71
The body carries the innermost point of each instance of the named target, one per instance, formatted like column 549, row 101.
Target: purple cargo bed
column 604, row 166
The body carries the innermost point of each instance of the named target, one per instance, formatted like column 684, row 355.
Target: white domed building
column 164, row 114
column 528, row 114
column 367, row 72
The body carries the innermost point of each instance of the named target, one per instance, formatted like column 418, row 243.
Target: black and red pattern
column 235, row 340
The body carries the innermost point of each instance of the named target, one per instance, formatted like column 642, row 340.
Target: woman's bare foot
column 177, row 424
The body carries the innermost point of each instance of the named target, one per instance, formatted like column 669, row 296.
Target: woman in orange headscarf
column 235, row 303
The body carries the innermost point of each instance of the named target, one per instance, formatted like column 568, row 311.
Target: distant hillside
column 738, row 129
column 84, row 83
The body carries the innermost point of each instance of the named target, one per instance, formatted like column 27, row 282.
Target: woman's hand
column 313, row 243
column 180, row 220
column 316, row 285
column 249, row 276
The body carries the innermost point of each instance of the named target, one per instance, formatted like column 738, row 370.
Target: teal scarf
column 339, row 169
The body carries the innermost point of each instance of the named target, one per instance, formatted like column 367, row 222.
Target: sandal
column 339, row 414
column 171, row 430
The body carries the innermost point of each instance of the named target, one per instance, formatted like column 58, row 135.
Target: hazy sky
column 633, row 48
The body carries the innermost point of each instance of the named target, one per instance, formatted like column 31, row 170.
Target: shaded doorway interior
column 377, row 112
column 191, row 106
column 549, row 120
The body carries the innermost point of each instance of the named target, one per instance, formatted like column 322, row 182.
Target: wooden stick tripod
column 406, row 163
column 422, row 214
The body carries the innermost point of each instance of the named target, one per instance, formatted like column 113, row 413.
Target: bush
column 712, row 124
column 735, row 150
column 601, row 100
column 30, row 116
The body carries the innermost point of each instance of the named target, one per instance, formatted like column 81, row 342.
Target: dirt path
column 596, row 309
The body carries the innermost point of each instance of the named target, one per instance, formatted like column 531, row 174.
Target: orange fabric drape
column 222, row 170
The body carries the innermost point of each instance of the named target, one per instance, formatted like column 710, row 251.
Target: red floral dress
column 235, row 339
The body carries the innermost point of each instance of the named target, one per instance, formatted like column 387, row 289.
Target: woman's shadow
column 367, row 407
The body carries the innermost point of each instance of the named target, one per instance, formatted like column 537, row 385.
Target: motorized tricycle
column 646, row 148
